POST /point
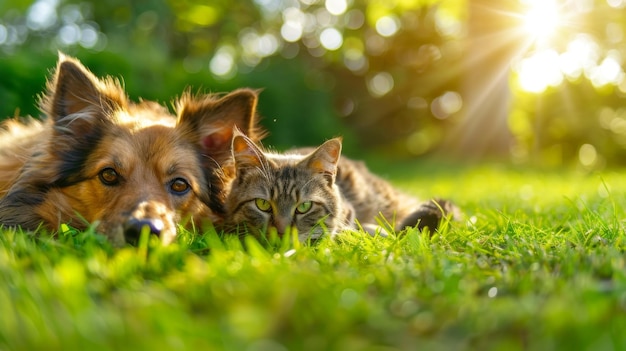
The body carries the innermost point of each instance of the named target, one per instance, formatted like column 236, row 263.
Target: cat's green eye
column 263, row 205
column 304, row 207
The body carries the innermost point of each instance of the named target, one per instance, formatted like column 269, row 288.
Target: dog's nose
column 133, row 228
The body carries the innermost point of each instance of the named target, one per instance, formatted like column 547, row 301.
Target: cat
column 316, row 191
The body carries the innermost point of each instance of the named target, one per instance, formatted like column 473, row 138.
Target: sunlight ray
column 486, row 110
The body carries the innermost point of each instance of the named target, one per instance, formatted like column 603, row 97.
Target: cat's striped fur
column 317, row 191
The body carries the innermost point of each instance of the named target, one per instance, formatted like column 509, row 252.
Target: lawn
column 538, row 263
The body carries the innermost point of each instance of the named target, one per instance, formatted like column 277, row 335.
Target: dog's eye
column 179, row 186
column 109, row 176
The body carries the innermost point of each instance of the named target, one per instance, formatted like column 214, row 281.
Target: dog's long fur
column 98, row 157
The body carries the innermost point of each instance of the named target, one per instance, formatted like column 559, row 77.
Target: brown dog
column 99, row 158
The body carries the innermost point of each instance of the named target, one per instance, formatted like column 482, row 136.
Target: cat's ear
column 245, row 153
column 212, row 120
column 325, row 158
column 76, row 98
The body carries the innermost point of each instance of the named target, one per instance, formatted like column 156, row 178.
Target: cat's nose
column 134, row 227
column 281, row 226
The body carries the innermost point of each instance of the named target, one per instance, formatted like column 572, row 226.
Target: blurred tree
column 570, row 87
column 408, row 77
column 490, row 47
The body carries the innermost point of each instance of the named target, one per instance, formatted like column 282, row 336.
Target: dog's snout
column 133, row 228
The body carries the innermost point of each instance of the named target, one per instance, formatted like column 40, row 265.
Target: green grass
column 538, row 264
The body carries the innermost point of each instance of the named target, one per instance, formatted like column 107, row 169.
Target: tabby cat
column 316, row 191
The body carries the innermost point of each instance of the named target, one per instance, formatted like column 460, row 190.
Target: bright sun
column 542, row 18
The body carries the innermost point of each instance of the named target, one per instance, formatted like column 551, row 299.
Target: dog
column 98, row 158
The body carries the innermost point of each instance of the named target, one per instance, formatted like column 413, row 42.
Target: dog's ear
column 76, row 98
column 212, row 120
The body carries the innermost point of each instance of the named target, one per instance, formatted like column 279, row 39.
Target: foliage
column 551, row 130
column 157, row 47
column 408, row 77
column 575, row 112
column 529, row 270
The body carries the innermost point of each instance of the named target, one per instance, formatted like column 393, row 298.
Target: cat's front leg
column 430, row 214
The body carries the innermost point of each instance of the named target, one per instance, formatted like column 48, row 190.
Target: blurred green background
column 530, row 81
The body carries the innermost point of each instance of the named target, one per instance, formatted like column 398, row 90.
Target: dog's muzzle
column 134, row 227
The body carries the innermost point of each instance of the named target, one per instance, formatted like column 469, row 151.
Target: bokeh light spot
column 608, row 72
column 331, row 39
column 447, row 104
column 88, row 36
column 387, row 26
column 4, row 34
column 291, row 31
column 380, row 84
column 336, row 7
column 587, row 155
column 223, row 63
column 541, row 70
column 293, row 26
column 618, row 4
column 42, row 14
column 69, row 34
column 354, row 19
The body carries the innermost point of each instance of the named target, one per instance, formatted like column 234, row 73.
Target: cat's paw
column 430, row 214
